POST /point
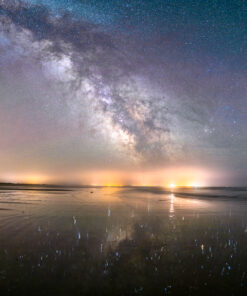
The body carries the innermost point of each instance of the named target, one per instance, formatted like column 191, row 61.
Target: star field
column 123, row 85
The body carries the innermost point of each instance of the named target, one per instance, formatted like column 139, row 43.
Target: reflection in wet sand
column 122, row 241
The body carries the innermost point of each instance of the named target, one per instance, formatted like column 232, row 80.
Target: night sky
column 123, row 92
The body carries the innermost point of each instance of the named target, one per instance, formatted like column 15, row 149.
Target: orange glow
column 112, row 185
column 192, row 177
column 35, row 179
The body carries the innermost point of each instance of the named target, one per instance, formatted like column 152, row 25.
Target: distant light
column 195, row 185
column 172, row 185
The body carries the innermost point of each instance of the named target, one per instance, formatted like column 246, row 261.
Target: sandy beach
column 123, row 241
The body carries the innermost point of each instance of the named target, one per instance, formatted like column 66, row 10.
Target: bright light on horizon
column 168, row 178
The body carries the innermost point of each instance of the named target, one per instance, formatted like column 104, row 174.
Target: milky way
column 122, row 85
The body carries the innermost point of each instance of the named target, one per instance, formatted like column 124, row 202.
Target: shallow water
column 123, row 241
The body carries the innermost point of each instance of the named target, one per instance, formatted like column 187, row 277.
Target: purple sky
column 155, row 89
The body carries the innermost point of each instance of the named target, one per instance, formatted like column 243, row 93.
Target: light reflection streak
column 171, row 210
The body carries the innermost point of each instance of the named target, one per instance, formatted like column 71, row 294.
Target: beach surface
column 122, row 241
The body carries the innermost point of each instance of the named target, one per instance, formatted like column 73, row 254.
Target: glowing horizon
column 169, row 178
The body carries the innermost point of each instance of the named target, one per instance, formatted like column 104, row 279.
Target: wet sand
column 123, row 241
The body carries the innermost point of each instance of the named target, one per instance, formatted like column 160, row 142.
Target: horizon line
column 117, row 186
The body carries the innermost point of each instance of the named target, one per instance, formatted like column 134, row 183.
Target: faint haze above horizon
column 147, row 93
